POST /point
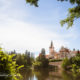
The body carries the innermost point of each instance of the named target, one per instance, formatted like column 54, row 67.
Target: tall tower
column 51, row 49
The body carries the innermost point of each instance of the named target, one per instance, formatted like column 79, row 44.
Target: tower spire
column 51, row 46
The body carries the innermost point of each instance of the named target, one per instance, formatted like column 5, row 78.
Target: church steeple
column 51, row 46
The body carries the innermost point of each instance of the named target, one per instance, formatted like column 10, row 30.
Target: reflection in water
column 49, row 75
column 70, row 76
column 45, row 75
column 5, row 78
column 42, row 74
column 28, row 75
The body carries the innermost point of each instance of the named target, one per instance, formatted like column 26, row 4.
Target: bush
column 66, row 63
column 24, row 59
column 55, row 60
column 8, row 66
column 37, row 65
column 41, row 63
column 73, row 64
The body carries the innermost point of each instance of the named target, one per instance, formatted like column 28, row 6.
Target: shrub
column 55, row 60
column 41, row 63
column 37, row 65
column 66, row 63
column 25, row 59
column 8, row 66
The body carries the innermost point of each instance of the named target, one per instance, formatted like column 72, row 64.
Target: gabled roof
column 74, row 52
column 63, row 49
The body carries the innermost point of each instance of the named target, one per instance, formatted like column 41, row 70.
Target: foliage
column 37, row 65
column 8, row 66
column 75, row 68
column 75, row 60
column 55, row 60
column 72, row 63
column 25, row 59
column 65, row 63
column 41, row 61
column 33, row 2
column 42, row 74
column 73, row 13
column 78, row 53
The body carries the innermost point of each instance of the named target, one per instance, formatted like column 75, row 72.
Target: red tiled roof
column 75, row 52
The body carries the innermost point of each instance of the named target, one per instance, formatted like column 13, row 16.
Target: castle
column 63, row 52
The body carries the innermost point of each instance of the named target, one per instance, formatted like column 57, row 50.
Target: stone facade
column 52, row 53
column 63, row 52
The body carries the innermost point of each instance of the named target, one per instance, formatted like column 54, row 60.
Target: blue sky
column 26, row 27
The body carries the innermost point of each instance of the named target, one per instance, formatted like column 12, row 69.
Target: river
column 46, row 74
column 49, row 75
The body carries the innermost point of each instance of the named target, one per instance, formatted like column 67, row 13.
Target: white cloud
column 17, row 34
column 20, row 35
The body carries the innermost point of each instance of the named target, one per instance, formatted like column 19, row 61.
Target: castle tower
column 51, row 49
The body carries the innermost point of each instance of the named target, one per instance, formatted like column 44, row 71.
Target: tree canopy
column 73, row 13
column 33, row 2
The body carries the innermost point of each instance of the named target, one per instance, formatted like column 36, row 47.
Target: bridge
column 58, row 64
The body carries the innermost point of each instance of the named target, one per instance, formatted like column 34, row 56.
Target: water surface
column 49, row 75
column 46, row 74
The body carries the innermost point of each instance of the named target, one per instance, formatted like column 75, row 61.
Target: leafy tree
column 43, row 51
column 72, row 64
column 14, row 53
column 25, row 59
column 65, row 63
column 42, row 74
column 8, row 66
column 28, row 57
column 41, row 61
column 78, row 53
column 32, row 58
column 73, row 13
column 33, row 2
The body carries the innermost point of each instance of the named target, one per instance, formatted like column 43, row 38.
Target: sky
column 25, row 27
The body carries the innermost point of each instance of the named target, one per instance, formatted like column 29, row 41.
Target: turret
column 51, row 49
column 51, row 46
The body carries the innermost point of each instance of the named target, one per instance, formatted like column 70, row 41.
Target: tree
column 42, row 54
column 43, row 51
column 78, row 53
column 73, row 13
column 8, row 66
column 33, row 2
column 65, row 63
column 25, row 59
column 41, row 61
column 72, row 64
